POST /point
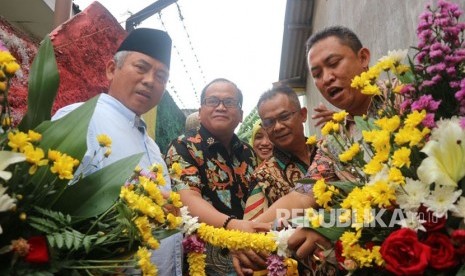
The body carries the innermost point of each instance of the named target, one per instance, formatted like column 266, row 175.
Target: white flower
column 442, row 200
column 189, row 224
column 460, row 208
column 7, row 158
column 398, row 55
column 445, row 164
column 412, row 194
column 412, row 221
column 281, row 238
column 6, row 202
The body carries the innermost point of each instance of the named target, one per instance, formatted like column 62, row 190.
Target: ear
column 110, row 69
column 364, row 56
column 242, row 115
column 303, row 114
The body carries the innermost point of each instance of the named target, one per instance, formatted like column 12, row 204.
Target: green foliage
column 170, row 122
column 95, row 193
column 245, row 130
column 43, row 85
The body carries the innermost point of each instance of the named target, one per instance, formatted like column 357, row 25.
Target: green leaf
column 68, row 134
column 69, row 239
column 58, row 238
column 95, row 193
column 306, row 181
column 346, row 186
column 43, row 86
column 363, row 124
column 44, row 225
column 332, row 233
column 160, row 234
column 406, row 78
column 461, row 271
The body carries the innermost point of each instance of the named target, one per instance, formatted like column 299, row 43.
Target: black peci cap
column 152, row 42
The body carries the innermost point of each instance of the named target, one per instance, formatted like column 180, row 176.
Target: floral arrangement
column 274, row 242
column 103, row 223
column 402, row 208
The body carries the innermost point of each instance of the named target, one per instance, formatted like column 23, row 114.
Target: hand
column 249, row 226
column 245, row 262
column 305, row 243
column 322, row 114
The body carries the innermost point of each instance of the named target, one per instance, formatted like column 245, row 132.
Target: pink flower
column 192, row 243
column 276, row 266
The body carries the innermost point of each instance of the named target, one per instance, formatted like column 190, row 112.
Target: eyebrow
column 326, row 60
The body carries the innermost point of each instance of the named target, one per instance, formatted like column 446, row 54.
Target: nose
column 278, row 125
column 221, row 106
column 149, row 79
column 328, row 77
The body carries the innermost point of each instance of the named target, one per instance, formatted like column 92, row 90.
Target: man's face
column 333, row 66
column 283, row 121
column 220, row 120
column 139, row 83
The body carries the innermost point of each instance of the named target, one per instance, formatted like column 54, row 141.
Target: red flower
column 338, row 250
column 432, row 223
column 458, row 239
column 404, row 254
column 38, row 252
column 442, row 250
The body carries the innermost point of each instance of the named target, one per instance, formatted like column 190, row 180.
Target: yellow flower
column 311, row 140
column 176, row 199
column 34, row 136
column 173, row 221
column 53, row 155
column 373, row 166
column 18, row 140
column 382, row 194
column 144, row 262
column 104, row 140
column 350, row 153
column 401, row 157
column 414, row 118
column 196, row 263
column 326, row 129
column 152, row 190
column 176, row 169
column 395, row 175
column 340, row 116
column 388, row 124
column 63, row 165
column 371, row 90
column 11, row 68
column 35, row 156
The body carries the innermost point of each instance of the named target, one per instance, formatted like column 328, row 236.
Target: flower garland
column 273, row 242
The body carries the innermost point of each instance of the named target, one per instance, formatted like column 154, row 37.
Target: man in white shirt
column 138, row 75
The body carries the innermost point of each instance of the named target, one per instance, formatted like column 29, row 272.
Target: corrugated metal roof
column 297, row 28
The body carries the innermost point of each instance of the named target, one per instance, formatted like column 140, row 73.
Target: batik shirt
column 273, row 179
column 221, row 178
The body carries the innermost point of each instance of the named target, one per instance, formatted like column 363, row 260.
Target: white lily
column 6, row 202
column 445, row 164
column 7, row 158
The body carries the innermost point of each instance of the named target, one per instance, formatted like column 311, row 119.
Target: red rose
column 432, row 223
column 458, row 239
column 338, row 250
column 404, row 254
column 38, row 252
column 442, row 250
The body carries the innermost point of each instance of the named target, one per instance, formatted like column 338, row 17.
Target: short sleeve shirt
column 222, row 178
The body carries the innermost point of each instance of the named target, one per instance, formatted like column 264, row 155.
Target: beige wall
column 381, row 25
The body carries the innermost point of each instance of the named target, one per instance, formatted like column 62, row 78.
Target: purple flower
column 426, row 102
column 192, row 243
column 428, row 121
column 276, row 266
column 2, row 46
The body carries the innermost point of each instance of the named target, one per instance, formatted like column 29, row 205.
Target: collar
column 286, row 158
column 211, row 141
column 133, row 119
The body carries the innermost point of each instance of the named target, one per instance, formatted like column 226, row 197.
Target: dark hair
column 204, row 90
column 281, row 89
column 345, row 35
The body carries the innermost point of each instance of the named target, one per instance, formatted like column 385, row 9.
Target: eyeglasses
column 271, row 122
column 228, row 102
